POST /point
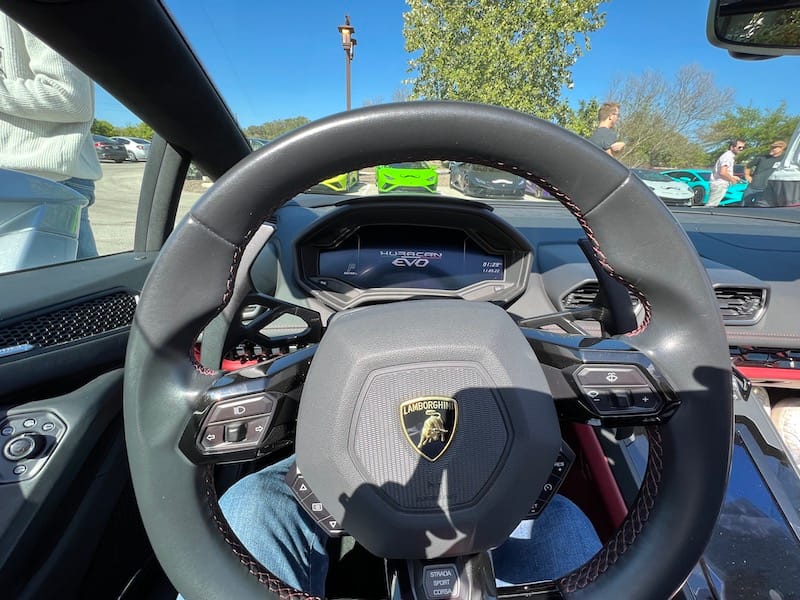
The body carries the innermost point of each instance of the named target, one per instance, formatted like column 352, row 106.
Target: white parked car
column 137, row 148
column 669, row 190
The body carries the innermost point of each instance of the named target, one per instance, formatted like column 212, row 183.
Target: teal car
column 698, row 180
column 414, row 176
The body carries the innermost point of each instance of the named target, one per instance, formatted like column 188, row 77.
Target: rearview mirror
column 755, row 28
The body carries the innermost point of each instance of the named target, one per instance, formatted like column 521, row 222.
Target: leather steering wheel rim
column 635, row 236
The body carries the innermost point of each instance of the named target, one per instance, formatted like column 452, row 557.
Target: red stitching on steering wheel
column 631, row 527
column 268, row 579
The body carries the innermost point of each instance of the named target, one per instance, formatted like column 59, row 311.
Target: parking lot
column 113, row 214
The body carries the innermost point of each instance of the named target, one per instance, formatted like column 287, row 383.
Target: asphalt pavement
column 113, row 215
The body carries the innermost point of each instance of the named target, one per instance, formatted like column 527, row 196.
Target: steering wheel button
column 646, row 398
column 315, row 507
column 619, row 375
column 440, row 581
column 330, row 525
column 301, row 489
column 600, row 399
column 235, row 432
column 240, row 409
column 212, row 436
column 256, row 429
column 621, row 398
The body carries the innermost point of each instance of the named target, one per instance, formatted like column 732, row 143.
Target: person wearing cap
column 758, row 170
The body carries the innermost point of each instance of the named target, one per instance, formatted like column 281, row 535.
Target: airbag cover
column 426, row 427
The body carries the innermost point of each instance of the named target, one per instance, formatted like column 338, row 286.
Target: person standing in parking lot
column 722, row 176
column 604, row 135
column 46, row 113
column 758, row 171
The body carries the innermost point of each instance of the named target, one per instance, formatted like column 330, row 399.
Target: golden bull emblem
column 429, row 424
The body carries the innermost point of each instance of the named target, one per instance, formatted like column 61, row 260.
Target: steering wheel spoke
column 249, row 413
column 602, row 381
column 259, row 311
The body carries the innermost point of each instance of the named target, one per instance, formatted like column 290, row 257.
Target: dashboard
column 332, row 253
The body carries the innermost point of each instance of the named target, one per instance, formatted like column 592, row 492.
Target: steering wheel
column 373, row 360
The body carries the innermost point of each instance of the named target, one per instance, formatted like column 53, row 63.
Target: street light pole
column 349, row 45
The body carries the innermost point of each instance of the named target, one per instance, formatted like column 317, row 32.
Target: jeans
column 277, row 531
column 87, row 248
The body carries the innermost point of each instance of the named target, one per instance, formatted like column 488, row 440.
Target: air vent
column 69, row 324
column 584, row 295
column 741, row 305
column 738, row 305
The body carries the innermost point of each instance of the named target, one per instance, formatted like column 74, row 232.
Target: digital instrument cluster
column 377, row 252
column 388, row 256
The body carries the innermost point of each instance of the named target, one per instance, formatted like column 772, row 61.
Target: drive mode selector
column 23, row 446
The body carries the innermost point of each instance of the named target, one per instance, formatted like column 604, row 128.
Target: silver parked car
column 137, row 148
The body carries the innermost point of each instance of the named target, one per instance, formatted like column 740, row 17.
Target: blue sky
column 275, row 60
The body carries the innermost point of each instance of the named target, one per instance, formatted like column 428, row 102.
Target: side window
column 195, row 185
column 67, row 190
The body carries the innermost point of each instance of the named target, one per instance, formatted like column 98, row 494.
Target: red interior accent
column 227, row 365
column 590, row 483
column 769, row 373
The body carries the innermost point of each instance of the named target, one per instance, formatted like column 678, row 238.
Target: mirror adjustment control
column 25, row 445
column 27, row 440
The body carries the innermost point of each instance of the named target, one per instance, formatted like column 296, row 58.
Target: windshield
column 600, row 72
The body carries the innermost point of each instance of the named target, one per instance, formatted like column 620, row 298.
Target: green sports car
column 412, row 176
column 338, row 183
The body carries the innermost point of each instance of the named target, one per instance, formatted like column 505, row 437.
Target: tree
column 512, row 53
column 373, row 101
column 102, row 128
column 142, row 130
column 401, row 94
column 758, row 127
column 662, row 119
column 272, row 129
column 583, row 121
column 778, row 27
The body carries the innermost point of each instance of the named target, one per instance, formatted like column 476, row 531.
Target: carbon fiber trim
column 72, row 323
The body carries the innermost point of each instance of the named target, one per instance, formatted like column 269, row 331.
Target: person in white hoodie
column 46, row 114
